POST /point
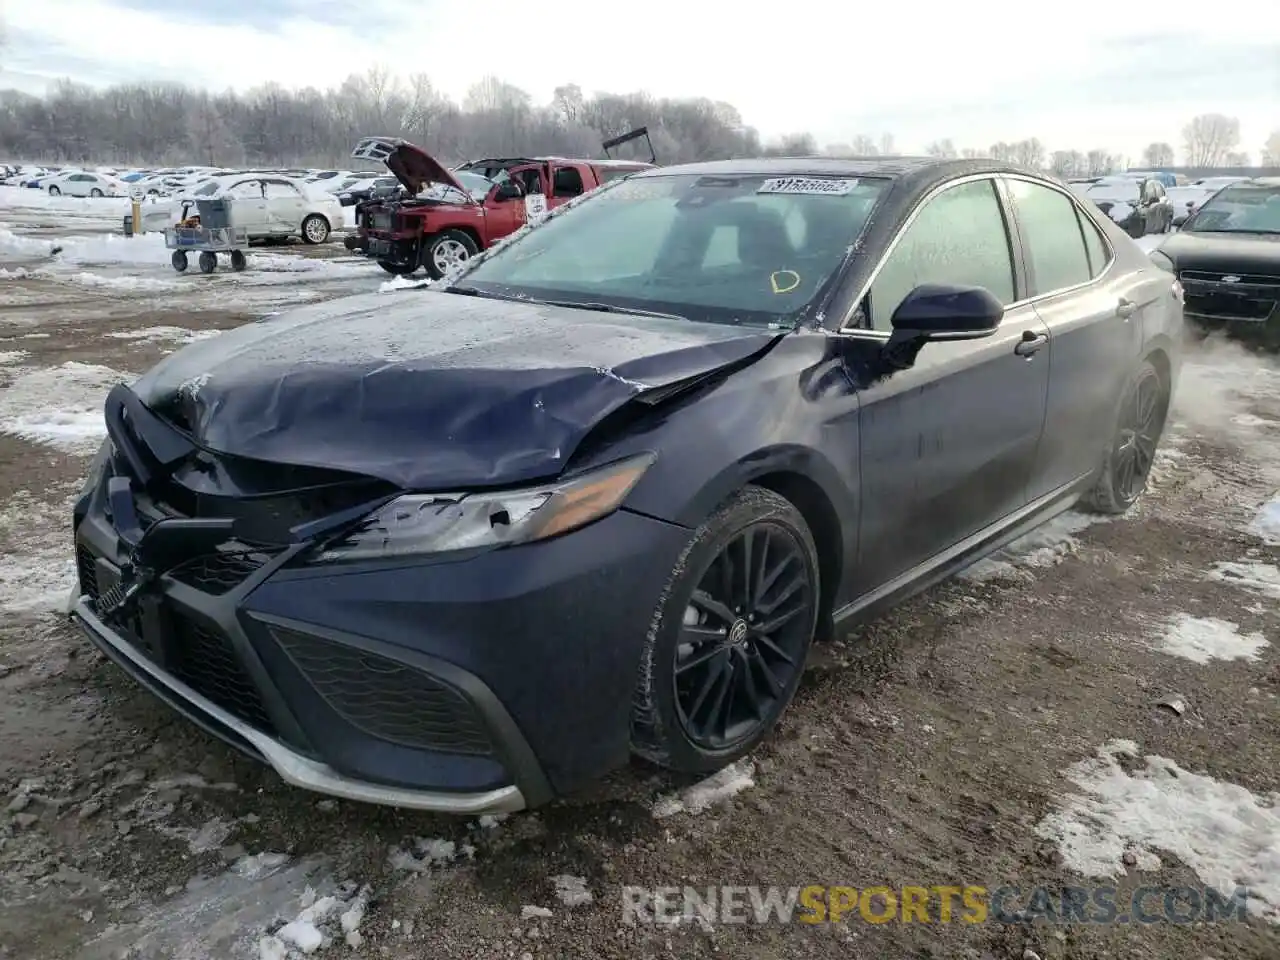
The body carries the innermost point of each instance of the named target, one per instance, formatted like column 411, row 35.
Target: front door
column 947, row 446
column 249, row 207
column 285, row 207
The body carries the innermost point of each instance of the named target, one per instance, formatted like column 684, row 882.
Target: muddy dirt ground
column 928, row 747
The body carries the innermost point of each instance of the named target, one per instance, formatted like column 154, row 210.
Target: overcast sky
column 1119, row 76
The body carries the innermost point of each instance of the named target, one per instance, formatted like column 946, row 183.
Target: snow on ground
column 1202, row 639
column 8, row 357
column 1266, row 525
column 1045, row 546
column 403, row 283
column 572, row 891
column 704, row 794
column 1227, row 835
column 38, row 578
column 227, row 914
column 163, row 334
column 1251, row 575
column 26, row 198
column 59, row 406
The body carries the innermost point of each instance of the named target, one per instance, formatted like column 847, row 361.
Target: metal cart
column 216, row 234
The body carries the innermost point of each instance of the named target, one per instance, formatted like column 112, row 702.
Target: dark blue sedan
column 470, row 547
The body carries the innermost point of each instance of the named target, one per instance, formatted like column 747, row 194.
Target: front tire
column 96, row 193
column 208, row 262
column 727, row 645
column 54, row 192
column 447, row 250
column 1126, row 465
column 315, row 229
column 179, row 260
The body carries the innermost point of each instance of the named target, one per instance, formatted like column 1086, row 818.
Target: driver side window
column 959, row 237
column 247, row 190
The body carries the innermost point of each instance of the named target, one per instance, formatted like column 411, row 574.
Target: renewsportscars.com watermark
column 815, row 904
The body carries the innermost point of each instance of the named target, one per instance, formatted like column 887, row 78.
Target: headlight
column 1162, row 260
column 96, row 467
column 418, row 524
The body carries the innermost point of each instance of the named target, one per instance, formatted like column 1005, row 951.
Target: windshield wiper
column 486, row 294
column 610, row 308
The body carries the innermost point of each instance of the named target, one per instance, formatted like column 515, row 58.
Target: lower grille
column 386, row 699
column 219, row 573
column 87, row 568
column 1227, row 306
column 205, row 661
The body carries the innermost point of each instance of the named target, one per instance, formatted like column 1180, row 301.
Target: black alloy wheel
column 729, row 648
column 1139, row 426
column 744, row 637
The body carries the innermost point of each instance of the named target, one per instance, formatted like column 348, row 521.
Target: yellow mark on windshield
column 784, row 281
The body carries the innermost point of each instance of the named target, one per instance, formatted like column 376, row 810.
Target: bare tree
column 941, row 148
column 1158, row 155
column 1208, row 139
column 863, row 146
column 1099, row 162
column 887, row 144
column 1029, row 153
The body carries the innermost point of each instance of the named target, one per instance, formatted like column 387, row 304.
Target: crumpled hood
column 429, row 390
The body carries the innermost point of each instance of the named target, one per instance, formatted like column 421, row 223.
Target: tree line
column 171, row 124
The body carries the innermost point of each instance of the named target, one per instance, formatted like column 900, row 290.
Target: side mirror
column 508, row 191
column 942, row 311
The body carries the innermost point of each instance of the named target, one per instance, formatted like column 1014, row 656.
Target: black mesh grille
column 88, row 571
column 386, row 699
column 217, row 573
column 205, row 661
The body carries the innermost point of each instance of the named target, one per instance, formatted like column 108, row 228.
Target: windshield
column 731, row 249
column 1122, row 191
column 476, row 185
column 1243, row 208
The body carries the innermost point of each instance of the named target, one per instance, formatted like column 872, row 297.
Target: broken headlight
column 418, row 524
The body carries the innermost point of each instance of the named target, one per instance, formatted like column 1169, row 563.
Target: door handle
column 1125, row 309
column 1030, row 343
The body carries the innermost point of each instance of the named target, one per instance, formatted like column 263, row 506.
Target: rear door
column 249, row 207
column 948, row 445
column 285, row 207
column 1093, row 313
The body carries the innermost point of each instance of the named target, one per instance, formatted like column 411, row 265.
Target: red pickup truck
column 450, row 215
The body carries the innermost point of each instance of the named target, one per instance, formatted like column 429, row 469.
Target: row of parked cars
column 1147, row 202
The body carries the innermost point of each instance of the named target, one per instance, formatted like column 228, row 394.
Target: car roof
column 915, row 171
column 1263, row 181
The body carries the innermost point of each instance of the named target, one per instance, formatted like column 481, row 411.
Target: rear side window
column 1052, row 237
column 566, row 182
column 1099, row 252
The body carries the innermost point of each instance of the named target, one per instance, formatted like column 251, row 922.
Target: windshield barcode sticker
column 822, row 186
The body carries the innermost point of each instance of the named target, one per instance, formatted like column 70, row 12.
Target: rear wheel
column 179, row 260
column 447, row 250
column 208, row 262
column 1126, row 465
column 238, row 261
column 728, row 642
column 96, row 193
column 315, row 229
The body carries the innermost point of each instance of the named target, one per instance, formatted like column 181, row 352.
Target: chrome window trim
column 865, row 333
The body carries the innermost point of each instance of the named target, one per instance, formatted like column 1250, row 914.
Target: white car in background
column 1187, row 200
column 270, row 206
column 81, row 183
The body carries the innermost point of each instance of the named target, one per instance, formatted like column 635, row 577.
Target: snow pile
column 119, row 284
column 403, row 283
column 312, row 929
column 37, row 568
column 18, row 198
column 14, row 244
column 1263, row 578
column 428, row 852
column 1045, row 546
column 571, row 891
column 1265, row 526
column 8, row 357
column 705, row 794
column 1227, row 835
column 106, row 248
column 75, row 424
column 1208, row 638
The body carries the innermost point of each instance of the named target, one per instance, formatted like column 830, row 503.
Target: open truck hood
column 411, row 165
column 430, row 390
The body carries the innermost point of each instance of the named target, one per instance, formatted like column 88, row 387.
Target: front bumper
column 465, row 686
